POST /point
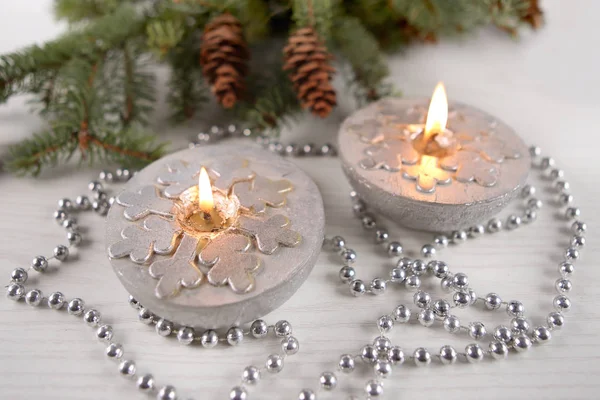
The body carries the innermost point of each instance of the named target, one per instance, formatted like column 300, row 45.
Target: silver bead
column 577, row 241
column 61, row 252
column 472, row 295
column 290, row 345
column 460, row 281
column 566, row 269
column 418, row 267
column 164, row 327
column 452, row 324
column 65, row 204
column 283, row 328
column 75, row 307
column 503, row 334
column 359, row 209
column 459, row 236
column 145, row 316
column 426, row 317
column 327, row 150
column 60, row 216
column 572, row 213
column 541, row 334
column 519, row 325
column 421, row 299
column 235, row 336
column 368, row 354
column 439, row 268
column 238, row 393
column 104, row 333
column 378, row 286
column 145, row 382
column 562, row 303
column 394, row 249
column 34, row 297
column 498, row 350
column 382, row 369
column 92, row 317
column 474, row 353
column 306, row 394
column 521, row 343
column 123, row 174
column 428, row 251
column 476, row 231
column 18, row 275
column 398, row 275
column 114, row 350
column 461, row 299
column 251, row 375
column 328, row 380
column 404, row 263
column 534, row 204
column 513, row 222
column 412, row 282
column 547, row 162
column 348, row 256
column 209, row 339
column 56, row 300
column 381, row 236
column 308, row 149
column 447, row 283
column 535, row 151
column 291, row 149
column 70, row 224
column 477, row 330
column 396, row 355
column 368, row 222
column 338, row 243
column 441, row 308
column 95, row 186
column 382, row 344
column 274, row 363
column 494, row 225
column 346, row 363
column 39, row 263
column 15, row 291
column 354, row 195
column 440, row 241
column 167, row 392
column 374, row 389
column 385, row 323
column 561, row 185
column 185, row 335
column 134, row 303
column 528, row 191
column 557, row 174
column 127, row 368
column 448, row 355
column 563, row 285
column 421, row 357
column 259, row 329
column 402, row 313
column 555, row 320
column 529, row 216
column 74, row 238
column 515, row 308
column 357, row 287
column 571, row 254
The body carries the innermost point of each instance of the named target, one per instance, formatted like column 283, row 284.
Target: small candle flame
column 205, row 195
column 437, row 115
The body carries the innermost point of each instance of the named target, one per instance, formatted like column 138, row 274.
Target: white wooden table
column 546, row 86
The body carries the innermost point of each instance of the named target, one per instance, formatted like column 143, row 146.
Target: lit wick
column 435, row 140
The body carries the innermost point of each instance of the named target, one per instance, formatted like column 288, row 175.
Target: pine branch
column 316, row 13
column 81, row 10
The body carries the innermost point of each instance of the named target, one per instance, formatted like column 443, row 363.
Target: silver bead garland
column 381, row 354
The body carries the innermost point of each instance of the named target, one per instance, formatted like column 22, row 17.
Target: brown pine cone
column 224, row 58
column 307, row 59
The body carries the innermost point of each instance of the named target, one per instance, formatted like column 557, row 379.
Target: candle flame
column 437, row 115
column 205, row 195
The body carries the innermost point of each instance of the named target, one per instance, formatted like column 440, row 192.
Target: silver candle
column 222, row 260
column 463, row 173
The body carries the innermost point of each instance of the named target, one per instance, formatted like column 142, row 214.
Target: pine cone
column 307, row 59
column 224, row 58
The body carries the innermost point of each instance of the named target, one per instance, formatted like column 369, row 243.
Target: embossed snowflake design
column 231, row 257
column 477, row 158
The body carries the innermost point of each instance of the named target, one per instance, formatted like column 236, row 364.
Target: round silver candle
column 268, row 244
column 483, row 170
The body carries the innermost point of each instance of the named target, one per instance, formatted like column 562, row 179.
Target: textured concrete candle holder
column 228, row 276
column 378, row 146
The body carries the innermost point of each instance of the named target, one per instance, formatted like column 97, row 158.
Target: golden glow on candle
column 437, row 115
column 205, row 194
column 428, row 163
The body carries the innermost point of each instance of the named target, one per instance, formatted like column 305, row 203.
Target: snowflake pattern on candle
column 477, row 159
column 231, row 257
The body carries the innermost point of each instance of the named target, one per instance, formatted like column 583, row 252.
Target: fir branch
column 80, row 10
column 316, row 13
